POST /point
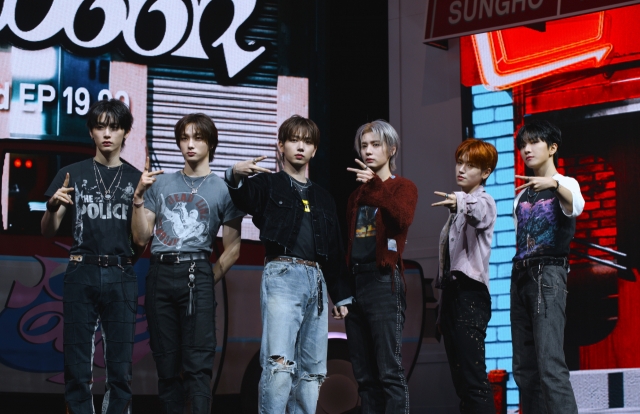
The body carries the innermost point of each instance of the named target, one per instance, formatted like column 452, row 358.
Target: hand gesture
column 450, row 201
column 61, row 197
column 364, row 174
column 249, row 167
column 537, row 184
column 339, row 312
column 147, row 179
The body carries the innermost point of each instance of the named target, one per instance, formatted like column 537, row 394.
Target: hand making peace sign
column 147, row 179
column 537, row 184
column 61, row 196
column 450, row 202
column 248, row 168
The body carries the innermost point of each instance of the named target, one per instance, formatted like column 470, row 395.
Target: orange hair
column 480, row 153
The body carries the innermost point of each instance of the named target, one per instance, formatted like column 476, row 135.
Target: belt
column 293, row 260
column 101, row 260
column 364, row 267
column 535, row 261
column 178, row 257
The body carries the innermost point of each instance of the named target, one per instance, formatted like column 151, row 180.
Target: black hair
column 203, row 125
column 539, row 130
column 115, row 112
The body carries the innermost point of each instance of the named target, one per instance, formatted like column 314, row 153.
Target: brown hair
column 203, row 125
column 480, row 153
column 301, row 126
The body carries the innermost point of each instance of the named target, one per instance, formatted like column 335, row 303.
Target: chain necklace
column 531, row 242
column 194, row 190
column 301, row 190
column 107, row 191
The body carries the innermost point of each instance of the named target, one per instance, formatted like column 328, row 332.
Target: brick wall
column 492, row 119
column 597, row 224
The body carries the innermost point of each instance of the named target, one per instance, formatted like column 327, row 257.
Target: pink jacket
column 470, row 235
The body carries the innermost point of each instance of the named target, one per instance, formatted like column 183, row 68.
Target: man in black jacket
column 304, row 257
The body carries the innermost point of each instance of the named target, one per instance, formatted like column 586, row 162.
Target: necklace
column 301, row 190
column 194, row 190
column 107, row 191
column 531, row 242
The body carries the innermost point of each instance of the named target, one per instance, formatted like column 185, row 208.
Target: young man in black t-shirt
column 545, row 214
column 100, row 286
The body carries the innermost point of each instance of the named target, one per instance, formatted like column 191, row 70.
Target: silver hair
column 387, row 134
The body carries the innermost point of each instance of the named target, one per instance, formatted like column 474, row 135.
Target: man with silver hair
column 379, row 213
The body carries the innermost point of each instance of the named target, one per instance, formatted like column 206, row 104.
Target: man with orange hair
column 465, row 247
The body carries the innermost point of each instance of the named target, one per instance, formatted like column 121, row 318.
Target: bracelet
column 52, row 209
column 138, row 205
column 553, row 190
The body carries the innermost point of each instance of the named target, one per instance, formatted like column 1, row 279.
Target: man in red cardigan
column 378, row 215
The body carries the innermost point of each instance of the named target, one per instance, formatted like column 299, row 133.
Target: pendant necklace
column 194, row 190
column 301, row 188
column 107, row 191
column 531, row 242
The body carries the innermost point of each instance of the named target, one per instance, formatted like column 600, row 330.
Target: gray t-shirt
column 187, row 222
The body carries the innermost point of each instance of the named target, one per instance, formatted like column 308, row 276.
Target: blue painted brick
column 482, row 116
column 504, row 270
column 500, row 318
column 505, row 144
column 501, row 192
column 505, row 206
column 492, row 99
column 506, row 363
column 495, row 129
column 513, row 398
column 500, row 287
column 494, row 242
column 492, row 335
column 504, row 333
column 479, row 89
column 507, row 238
column 503, row 223
column 498, row 349
column 504, row 302
column 502, row 254
column 491, row 363
column 494, row 303
column 511, row 383
column 504, row 113
column 493, row 270
column 505, row 160
column 505, row 176
column 491, row 180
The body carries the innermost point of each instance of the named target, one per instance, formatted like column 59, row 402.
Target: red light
column 28, row 163
column 17, row 163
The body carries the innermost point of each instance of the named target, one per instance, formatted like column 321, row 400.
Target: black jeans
column 107, row 295
column 538, row 300
column 465, row 314
column 183, row 346
column 374, row 333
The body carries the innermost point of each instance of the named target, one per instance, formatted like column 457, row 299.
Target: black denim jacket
column 277, row 211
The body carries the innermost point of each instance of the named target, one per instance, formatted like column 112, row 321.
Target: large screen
column 163, row 58
column 583, row 74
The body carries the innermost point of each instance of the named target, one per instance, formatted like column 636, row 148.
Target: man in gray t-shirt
column 187, row 209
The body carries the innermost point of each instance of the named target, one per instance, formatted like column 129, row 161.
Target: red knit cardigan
column 396, row 199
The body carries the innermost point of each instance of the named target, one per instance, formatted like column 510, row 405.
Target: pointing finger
column 524, row 186
column 147, row 165
column 260, row 169
column 355, row 170
column 440, row 193
column 66, row 180
column 361, row 164
column 67, row 190
column 155, row 172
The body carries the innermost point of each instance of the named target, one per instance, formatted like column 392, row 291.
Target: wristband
column 553, row 190
column 138, row 205
column 52, row 209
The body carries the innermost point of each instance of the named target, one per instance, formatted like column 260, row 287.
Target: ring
column 527, row 179
column 446, row 196
column 254, row 161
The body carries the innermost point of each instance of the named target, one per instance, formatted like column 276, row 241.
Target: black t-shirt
column 543, row 229
column 363, row 249
column 101, row 213
column 305, row 247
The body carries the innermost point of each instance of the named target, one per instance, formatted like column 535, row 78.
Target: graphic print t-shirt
column 187, row 222
column 305, row 246
column 363, row 249
column 543, row 229
column 101, row 221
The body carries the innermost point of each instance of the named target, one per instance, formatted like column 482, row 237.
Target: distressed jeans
column 293, row 354
column 465, row 314
column 374, row 334
column 538, row 300
column 107, row 295
column 183, row 345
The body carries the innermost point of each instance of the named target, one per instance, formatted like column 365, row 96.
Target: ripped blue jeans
column 293, row 354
